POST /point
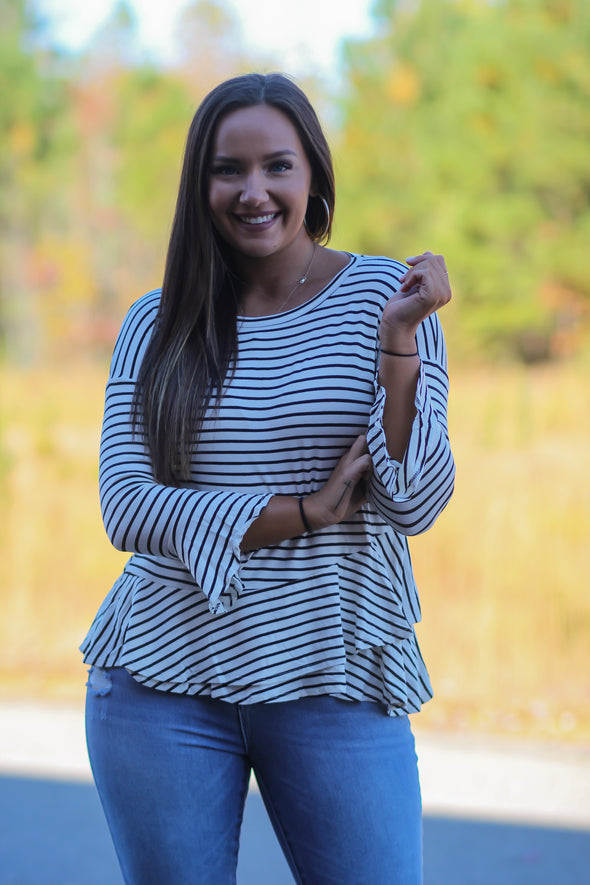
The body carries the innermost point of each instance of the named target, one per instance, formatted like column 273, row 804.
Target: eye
column 280, row 166
column 224, row 169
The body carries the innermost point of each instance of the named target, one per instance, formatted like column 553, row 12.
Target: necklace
column 299, row 282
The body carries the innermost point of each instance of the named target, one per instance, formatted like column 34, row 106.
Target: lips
column 257, row 220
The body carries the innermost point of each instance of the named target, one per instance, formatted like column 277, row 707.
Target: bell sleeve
column 201, row 530
column 412, row 493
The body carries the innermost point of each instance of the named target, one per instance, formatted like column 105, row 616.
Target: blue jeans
column 339, row 780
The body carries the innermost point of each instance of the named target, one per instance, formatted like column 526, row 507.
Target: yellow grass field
column 504, row 573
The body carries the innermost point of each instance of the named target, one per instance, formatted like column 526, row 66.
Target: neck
column 273, row 289
column 273, row 275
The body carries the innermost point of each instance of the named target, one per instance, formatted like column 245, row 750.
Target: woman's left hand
column 424, row 289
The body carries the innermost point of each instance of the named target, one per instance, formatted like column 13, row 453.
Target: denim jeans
column 339, row 780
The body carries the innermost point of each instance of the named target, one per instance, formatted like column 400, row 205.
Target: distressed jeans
column 339, row 781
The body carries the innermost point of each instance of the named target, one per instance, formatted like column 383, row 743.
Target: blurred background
column 459, row 126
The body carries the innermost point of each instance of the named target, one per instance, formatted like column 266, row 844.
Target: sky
column 304, row 33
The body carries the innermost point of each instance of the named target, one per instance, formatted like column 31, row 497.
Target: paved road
column 495, row 813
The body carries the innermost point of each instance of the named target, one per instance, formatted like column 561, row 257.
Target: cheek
column 298, row 196
column 213, row 198
column 215, row 208
column 220, row 191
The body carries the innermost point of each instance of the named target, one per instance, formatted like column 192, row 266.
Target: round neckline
column 277, row 318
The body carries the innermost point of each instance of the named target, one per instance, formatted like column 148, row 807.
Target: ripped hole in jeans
column 99, row 681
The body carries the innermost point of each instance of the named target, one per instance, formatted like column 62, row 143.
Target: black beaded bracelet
column 306, row 525
column 393, row 353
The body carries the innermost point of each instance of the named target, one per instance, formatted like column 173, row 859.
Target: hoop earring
column 327, row 224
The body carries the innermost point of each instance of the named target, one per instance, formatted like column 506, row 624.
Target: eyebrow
column 220, row 158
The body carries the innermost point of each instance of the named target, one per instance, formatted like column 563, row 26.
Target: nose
column 254, row 192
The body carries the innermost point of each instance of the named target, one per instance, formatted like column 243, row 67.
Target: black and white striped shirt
column 327, row 613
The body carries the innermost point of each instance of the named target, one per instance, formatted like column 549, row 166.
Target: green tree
column 148, row 133
column 466, row 131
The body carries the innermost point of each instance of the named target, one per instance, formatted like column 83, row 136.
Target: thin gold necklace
column 299, row 282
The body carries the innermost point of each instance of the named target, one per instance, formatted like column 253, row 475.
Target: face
column 259, row 182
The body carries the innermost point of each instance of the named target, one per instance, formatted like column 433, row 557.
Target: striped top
column 331, row 612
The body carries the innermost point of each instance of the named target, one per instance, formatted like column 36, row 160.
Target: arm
column 424, row 289
column 200, row 530
column 143, row 516
column 408, row 436
column 341, row 496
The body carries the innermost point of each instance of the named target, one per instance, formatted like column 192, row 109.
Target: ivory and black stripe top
column 327, row 613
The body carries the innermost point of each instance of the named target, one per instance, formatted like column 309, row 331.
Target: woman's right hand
column 345, row 491
column 341, row 496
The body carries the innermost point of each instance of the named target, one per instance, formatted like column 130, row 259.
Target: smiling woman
column 260, row 186
column 259, row 196
column 275, row 425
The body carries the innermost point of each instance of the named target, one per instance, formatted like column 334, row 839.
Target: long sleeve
column 201, row 530
column 410, row 495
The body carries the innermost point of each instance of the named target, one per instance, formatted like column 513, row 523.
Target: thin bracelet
column 393, row 353
column 306, row 525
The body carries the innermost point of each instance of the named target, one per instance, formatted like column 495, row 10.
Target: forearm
column 399, row 370
column 410, row 492
column 286, row 516
column 279, row 521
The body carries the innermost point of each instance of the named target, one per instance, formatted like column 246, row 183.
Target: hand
column 424, row 289
column 345, row 491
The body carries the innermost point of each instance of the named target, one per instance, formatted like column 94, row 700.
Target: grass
column 503, row 574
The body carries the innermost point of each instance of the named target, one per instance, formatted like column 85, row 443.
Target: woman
column 275, row 425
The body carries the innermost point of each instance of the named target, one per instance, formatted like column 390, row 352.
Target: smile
column 257, row 219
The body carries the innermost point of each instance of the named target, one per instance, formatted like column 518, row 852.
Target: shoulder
column 135, row 333
column 379, row 270
column 144, row 309
column 381, row 264
column 374, row 278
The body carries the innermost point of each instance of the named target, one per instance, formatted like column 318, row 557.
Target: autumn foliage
column 462, row 126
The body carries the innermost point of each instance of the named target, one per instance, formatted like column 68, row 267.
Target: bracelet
column 306, row 525
column 393, row 353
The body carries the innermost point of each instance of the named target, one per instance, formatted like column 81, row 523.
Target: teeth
column 258, row 219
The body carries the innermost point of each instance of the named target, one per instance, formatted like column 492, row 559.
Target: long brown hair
column 195, row 336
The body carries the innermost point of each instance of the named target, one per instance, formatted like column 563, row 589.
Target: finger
column 411, row 284
column 363, row 466
column 359, row 446
column 358, row 467
column 354, row 496
column 430, row 274
column 343, row 489
column 412, row 280
column 416, row 259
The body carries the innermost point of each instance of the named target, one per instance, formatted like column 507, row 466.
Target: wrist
column 396, row 353
column 306, row 524
column 398, row 341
